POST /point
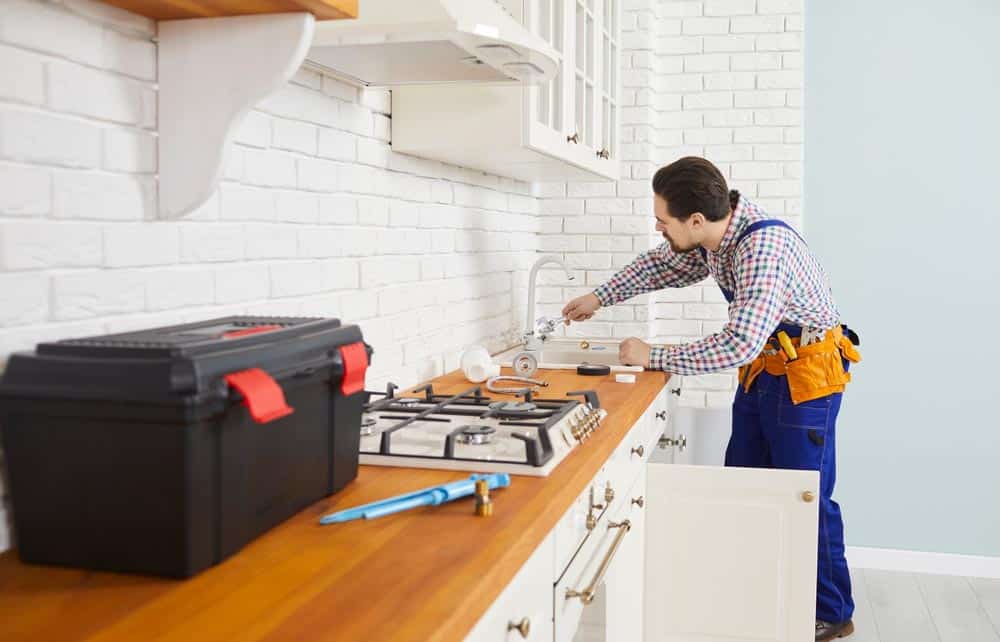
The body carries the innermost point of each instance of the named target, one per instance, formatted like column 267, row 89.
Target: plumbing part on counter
column 484, row 505
column 593, row 369
column 477, row 365
column 432, row 496
column 625, row 378
column 533, row 385
column 524, row 364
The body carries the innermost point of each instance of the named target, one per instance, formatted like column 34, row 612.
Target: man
column 784, row 332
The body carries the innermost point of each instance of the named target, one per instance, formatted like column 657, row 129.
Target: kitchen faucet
column 536, row 331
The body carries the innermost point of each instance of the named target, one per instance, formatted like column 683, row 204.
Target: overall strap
column 759, row 225
column 747, row 231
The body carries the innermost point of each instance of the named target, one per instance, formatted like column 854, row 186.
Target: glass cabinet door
column 610, row 47
column 547, row 19
column 586, row 72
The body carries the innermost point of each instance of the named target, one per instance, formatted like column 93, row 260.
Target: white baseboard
column 888, row 559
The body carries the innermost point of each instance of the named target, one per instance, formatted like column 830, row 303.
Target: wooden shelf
column 182, row 9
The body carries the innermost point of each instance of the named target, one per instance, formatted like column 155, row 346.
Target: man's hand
column 634, row 352
column 582, row 307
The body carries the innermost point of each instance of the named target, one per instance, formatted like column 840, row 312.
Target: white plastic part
column 625, row 378
column 212, row 71
column 477, row 366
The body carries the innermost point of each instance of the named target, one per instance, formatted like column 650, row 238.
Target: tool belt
column 817, row 371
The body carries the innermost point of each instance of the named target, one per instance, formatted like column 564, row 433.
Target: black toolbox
column 165, row 451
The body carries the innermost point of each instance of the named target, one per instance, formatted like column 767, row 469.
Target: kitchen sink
column 564, row 353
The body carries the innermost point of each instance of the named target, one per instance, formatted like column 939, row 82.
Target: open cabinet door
column 730, row 554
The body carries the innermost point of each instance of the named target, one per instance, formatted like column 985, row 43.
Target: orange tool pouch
column 818, row 371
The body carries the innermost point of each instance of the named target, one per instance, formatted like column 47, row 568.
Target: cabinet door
column 549, row 113
column 625, row 583
column 586, row 71
column 669, row 445
column 524, row 609
column 609, row 80
column 730, row 554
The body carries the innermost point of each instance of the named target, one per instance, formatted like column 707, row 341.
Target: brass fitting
column 484, row 505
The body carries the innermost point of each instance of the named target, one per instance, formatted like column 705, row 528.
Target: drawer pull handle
column 662, row 415
column 523, row 627
column 639, row 501
column 575, row 138
column 639, row 450
column 587, row 595
column 676, row 391
column 668, row 442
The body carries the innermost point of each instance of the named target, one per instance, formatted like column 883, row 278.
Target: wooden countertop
column 180, row 9
column 425, row 574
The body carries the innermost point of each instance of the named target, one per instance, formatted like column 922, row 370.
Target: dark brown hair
column 693, row 184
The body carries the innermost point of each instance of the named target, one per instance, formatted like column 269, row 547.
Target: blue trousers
column 771, row 432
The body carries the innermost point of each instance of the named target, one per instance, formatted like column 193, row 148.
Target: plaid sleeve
column 763, row 288
column 658, row 268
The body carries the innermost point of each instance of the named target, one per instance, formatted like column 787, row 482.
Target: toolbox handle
column 355, row 358
column 236, row 334
column 261, row 394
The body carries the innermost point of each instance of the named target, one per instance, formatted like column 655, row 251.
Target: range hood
column 394, row 43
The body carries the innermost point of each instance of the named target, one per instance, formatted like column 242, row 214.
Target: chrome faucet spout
column 529, row 324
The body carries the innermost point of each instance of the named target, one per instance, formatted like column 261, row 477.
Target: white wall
column 902, row 139
column 316, row 215
column 715, row 78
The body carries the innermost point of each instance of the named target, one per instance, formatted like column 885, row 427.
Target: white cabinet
column 674, row 553
column 566, row 128
column 673, row 441
column 524, row 609
column 626, row 588
column 730, row 554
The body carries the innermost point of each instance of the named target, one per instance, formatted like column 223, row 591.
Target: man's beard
column 676, row 248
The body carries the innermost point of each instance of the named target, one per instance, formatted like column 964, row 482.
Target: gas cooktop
column 469, row 431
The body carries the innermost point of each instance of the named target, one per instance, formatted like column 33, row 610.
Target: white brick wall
column 714, row 78
column 316, row 216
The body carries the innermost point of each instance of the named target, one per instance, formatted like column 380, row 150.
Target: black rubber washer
column 592, row 369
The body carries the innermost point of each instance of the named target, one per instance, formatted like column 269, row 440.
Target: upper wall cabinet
column 564, row 128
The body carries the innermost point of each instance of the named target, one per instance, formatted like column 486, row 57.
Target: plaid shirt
column 772, row 273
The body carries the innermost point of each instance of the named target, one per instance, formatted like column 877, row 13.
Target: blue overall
column 769, row 431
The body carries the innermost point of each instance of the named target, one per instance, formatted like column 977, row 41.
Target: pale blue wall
column 902, row 203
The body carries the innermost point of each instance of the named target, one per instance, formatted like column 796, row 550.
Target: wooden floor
column 906, row 607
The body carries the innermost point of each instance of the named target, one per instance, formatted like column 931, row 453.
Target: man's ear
column 697, row 220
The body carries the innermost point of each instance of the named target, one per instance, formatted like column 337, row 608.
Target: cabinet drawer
column 595, row 559
column 634, row 451
column 571, row 532
column 524, row 609
column 674, row 388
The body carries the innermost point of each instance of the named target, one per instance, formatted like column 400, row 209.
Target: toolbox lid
column 182, row 364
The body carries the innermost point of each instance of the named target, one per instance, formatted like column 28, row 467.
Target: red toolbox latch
column 261, row 394
column 355, row 358
column 236, row 334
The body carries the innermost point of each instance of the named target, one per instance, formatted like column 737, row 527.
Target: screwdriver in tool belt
column 786, row 345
